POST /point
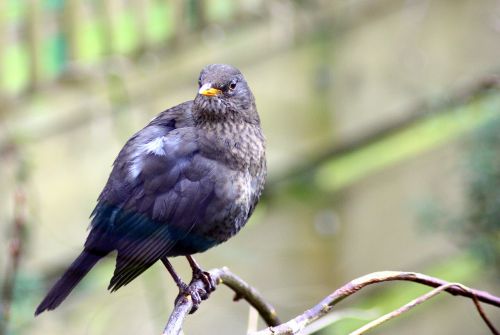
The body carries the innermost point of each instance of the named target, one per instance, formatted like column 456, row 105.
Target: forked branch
column 242, row 291
column 299, row 323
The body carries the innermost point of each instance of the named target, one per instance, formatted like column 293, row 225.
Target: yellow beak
column 208, row 90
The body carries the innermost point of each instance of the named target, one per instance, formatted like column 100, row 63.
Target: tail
column 77, row 270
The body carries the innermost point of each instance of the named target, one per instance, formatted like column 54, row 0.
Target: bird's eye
column 199, row 82
column 232, row 86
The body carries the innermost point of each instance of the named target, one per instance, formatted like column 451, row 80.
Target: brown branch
column 321, row 309
column 483, row 315
column 294, row 326
column 242, row 291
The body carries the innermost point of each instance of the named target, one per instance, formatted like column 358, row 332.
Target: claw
column 185, row 290
column 197, row 296
column 198, row 274
column 207, row 280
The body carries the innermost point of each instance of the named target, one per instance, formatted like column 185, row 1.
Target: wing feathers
column 158, row 208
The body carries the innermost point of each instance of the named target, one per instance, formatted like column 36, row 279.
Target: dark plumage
column 186, row 182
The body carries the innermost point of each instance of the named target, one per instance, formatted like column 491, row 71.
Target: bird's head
column 223, row 93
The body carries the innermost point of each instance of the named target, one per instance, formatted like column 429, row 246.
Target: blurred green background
column 383, row 125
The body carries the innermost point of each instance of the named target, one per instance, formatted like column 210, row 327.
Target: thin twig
column 333, row 317
column 300, row 322
column 415, row 302
column 242, row 291
column 482, row 313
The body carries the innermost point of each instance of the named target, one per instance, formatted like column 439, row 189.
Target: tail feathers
column 77, row 270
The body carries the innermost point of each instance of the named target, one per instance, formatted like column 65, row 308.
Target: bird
column 188, row 181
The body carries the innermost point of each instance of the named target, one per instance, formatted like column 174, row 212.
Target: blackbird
column 186, row 182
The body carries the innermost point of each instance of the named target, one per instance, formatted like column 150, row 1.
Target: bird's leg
column 199, row 273
column 174, row 274
column 184, row 289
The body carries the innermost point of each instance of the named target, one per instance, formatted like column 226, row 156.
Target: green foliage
column 480, row 225
column 425, row 134
column 90, row 45
column 161, row 22
column 15, row 68
column 125, row 33
column 220, row 10
column 477, row 224
column 14, row 59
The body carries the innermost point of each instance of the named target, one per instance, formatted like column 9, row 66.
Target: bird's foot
column 197, row 295
column 206, row 278
column 209, row 284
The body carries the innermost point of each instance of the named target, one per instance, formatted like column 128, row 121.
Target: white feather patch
column 135, row 168
column 155, row 146
column 158, row 146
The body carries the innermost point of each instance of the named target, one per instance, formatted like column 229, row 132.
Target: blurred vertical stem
column 16, row 243
column 70, row 27
column 35, row 32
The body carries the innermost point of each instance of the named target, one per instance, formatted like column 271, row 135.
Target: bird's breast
column 239, row 145
column 229, row 207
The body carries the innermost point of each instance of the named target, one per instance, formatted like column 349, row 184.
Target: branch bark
column 242, row 291
column 298, row 323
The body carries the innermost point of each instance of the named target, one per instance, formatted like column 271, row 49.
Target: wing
column 156, row 193
column 169, row 203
